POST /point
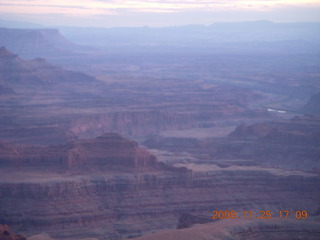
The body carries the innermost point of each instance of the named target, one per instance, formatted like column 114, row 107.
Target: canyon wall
column 110, row 187
column 119, row 205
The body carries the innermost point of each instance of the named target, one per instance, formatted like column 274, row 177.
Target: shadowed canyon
column 146, row 133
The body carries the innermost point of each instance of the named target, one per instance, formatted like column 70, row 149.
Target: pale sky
column 108, row 13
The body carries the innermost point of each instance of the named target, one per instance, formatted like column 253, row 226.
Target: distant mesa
column 18, row 24
column 262, row 32
column 109, row 151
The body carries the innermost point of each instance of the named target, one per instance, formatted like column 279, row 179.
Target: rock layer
column 92, row 199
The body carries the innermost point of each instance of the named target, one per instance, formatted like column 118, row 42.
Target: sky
column 156, row 13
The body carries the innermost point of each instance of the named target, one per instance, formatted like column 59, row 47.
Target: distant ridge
column 19, row 24
column 193, row 35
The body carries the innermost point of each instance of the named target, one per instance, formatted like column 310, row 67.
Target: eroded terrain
column 119, row 142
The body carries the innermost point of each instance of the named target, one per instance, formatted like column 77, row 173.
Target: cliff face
column 119, row 205
column 110, row 187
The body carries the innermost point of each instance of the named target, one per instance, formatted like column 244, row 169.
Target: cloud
column 53, row 7
column 111, row 6
column 157, row 12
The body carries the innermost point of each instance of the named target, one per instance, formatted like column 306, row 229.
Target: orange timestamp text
column 303, row 214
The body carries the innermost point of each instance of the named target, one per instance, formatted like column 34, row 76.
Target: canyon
column 145, row 142
column 110, row 187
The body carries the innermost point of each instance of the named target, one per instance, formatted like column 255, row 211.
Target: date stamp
column 218, row 215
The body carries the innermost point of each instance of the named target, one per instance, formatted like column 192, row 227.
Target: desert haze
column 188, row 132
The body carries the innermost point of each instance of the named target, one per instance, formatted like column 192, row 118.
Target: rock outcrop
column 6, row 234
